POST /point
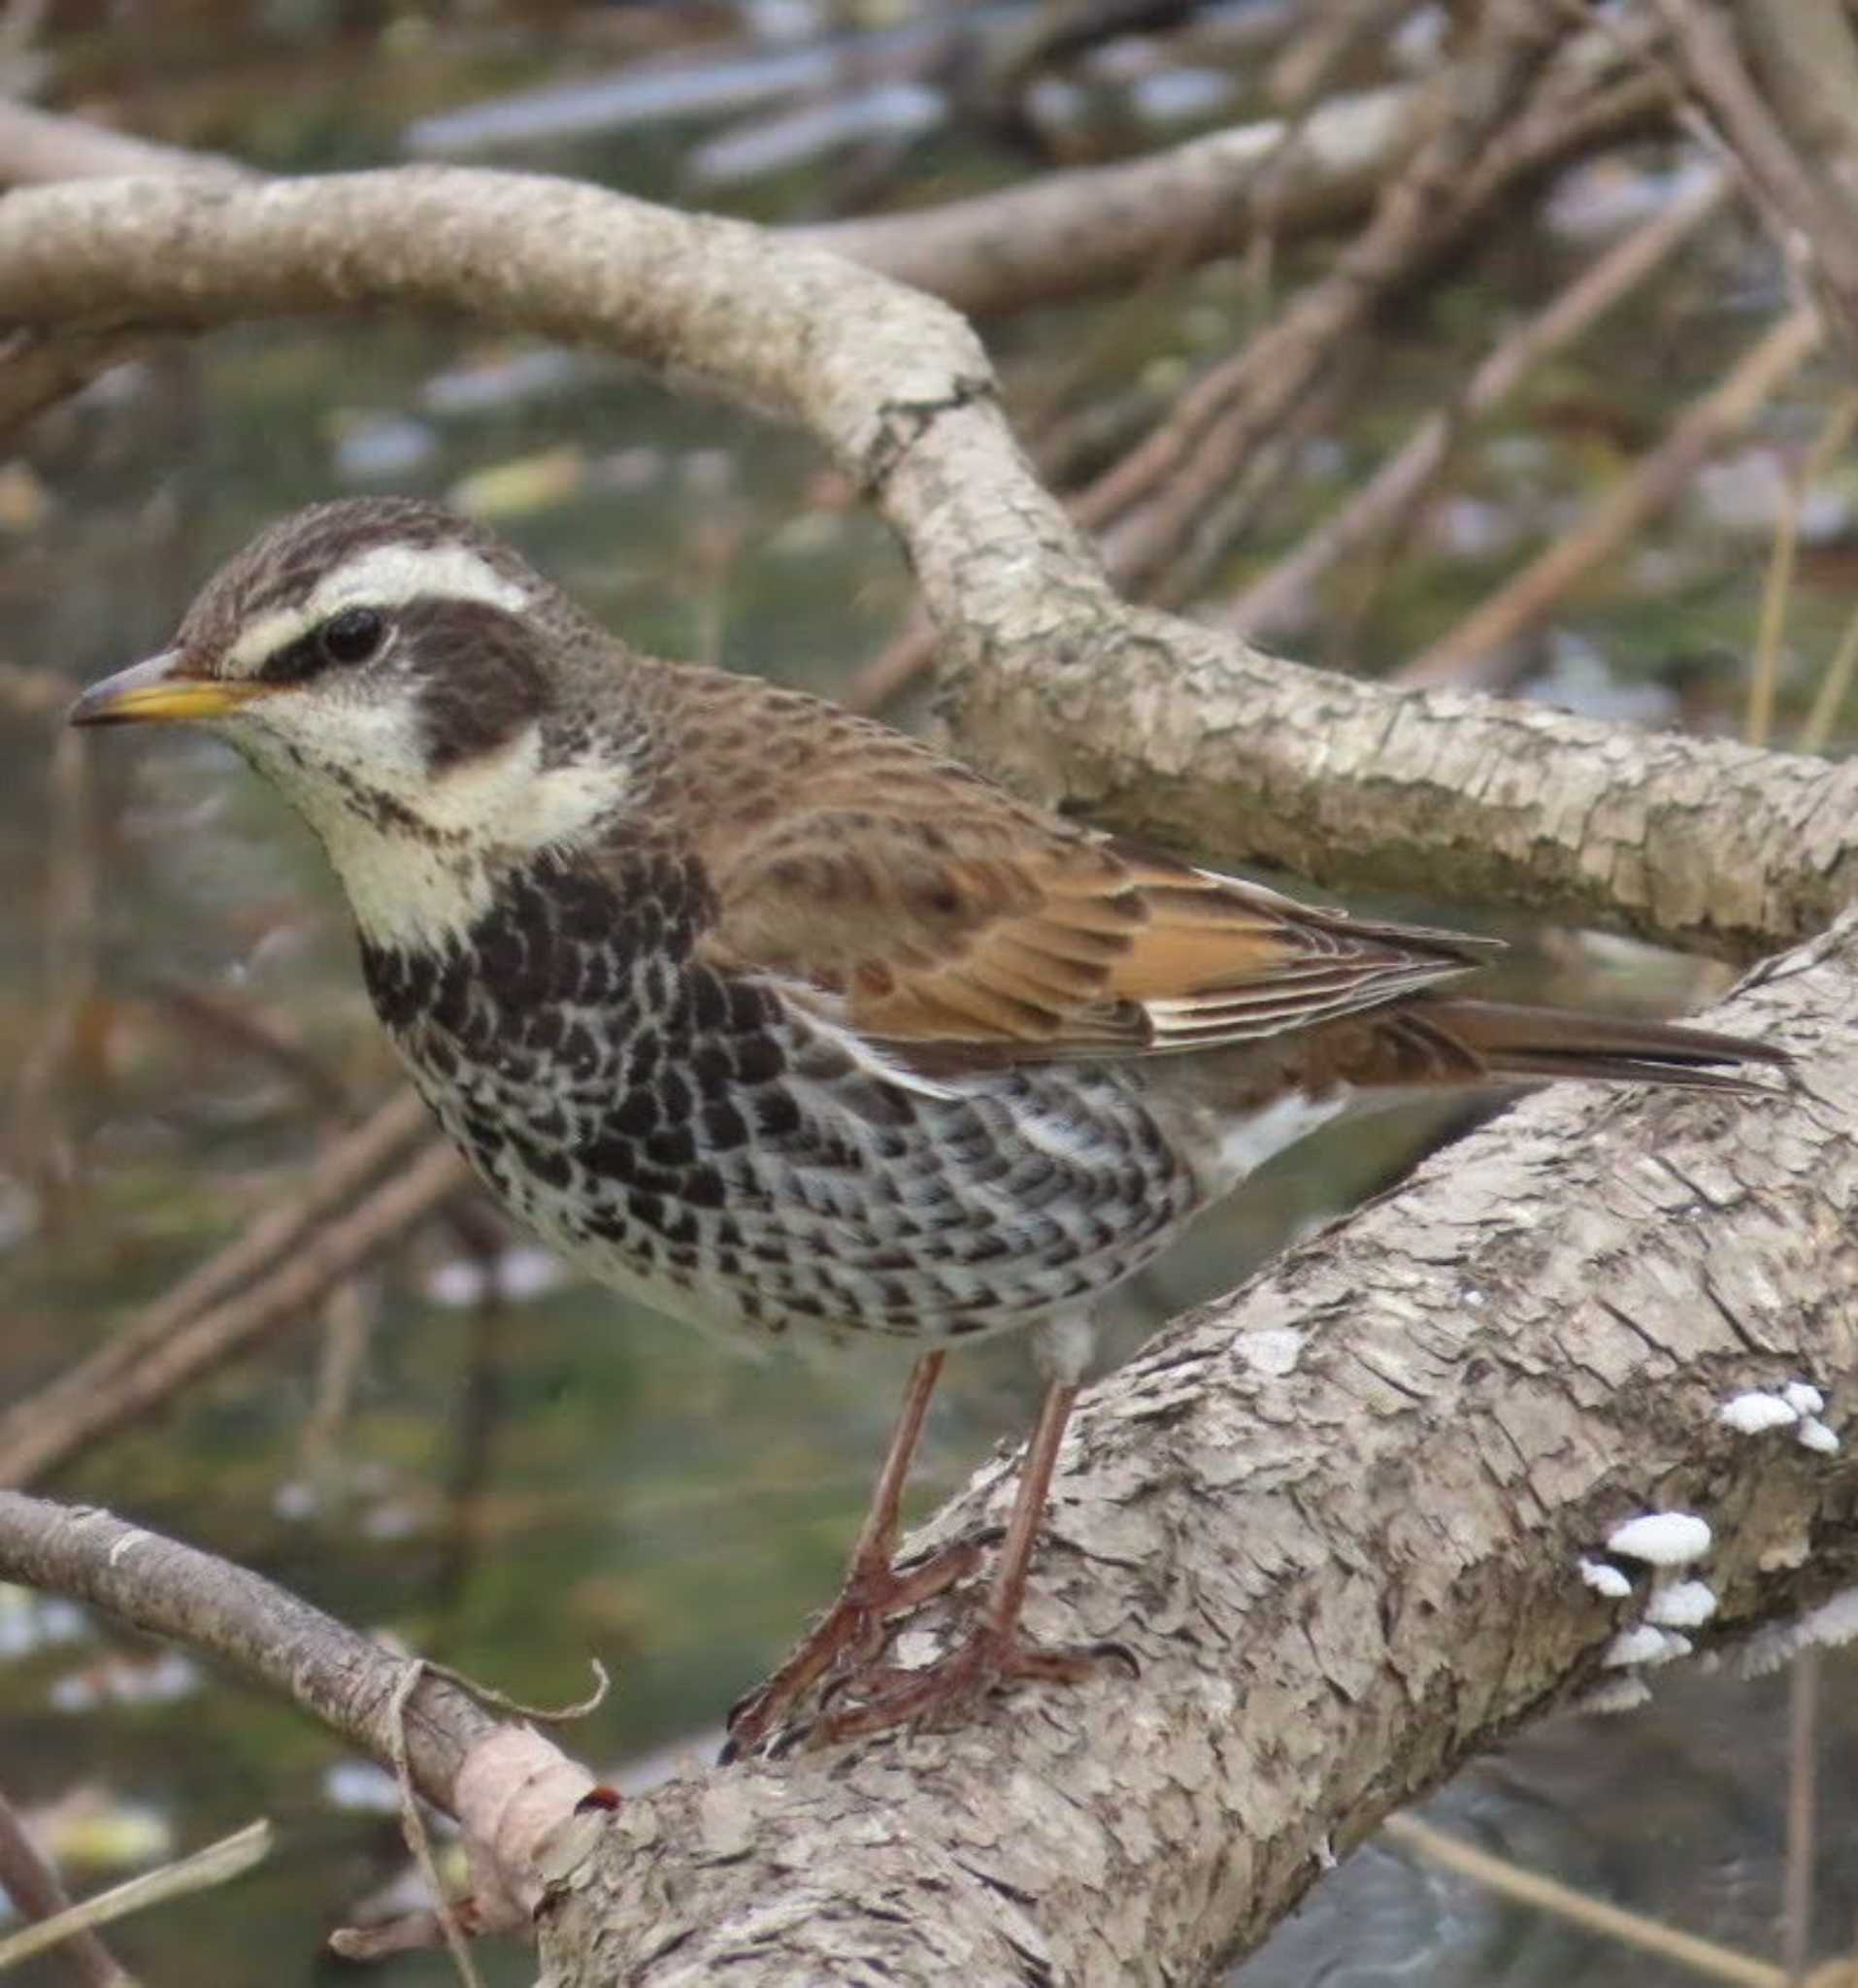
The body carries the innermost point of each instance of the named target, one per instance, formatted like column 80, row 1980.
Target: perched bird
column 786, row 1024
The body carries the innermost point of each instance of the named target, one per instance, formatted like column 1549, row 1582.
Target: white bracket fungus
column 1748, row 1414
column 1643, row 1646
column 1624, row 1694
column 1605, row 1580
column 1661, row 1539
column 1683, row 1605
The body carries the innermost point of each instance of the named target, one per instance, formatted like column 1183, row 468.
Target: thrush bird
column 786, row 1024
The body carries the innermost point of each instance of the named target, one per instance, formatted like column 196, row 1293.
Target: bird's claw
column 846, row 1642
column 945, row 1692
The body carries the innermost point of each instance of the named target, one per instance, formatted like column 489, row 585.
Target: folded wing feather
column 1021, row 938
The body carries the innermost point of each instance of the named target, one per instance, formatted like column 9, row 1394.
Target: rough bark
column 1339, row 1517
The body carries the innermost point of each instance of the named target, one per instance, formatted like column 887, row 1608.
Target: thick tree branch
column 1162, row 726
column 1065, row 234
column 1338, row 1516
column 1164, row 729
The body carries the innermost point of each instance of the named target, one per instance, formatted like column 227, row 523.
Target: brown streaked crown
column 285, row 564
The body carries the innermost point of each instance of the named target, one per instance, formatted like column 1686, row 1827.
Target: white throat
column 417, row 860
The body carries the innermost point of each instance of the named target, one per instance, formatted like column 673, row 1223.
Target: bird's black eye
column 352, row 636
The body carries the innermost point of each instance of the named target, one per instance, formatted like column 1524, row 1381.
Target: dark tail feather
column 1550, row 1041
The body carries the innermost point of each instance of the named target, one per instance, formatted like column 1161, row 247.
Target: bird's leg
column 877, row 1541
column 851, row 1630
column 993, row 1653
column 999, row 1625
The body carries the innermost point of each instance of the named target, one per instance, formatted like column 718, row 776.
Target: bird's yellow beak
column 161, row 690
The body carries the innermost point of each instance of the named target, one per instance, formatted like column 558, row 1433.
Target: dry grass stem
column 217, row 1864
column 1701, row 1957
column 1778, row 583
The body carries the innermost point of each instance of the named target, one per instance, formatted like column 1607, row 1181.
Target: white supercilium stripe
column 385, row 577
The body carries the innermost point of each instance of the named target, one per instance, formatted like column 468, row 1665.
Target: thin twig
column 1256, row 470
column 38, row 369
column 1833, row 687
column 1422, row 217
column 1776, row 587
column 33, row 1886
column 1803, row 1751
column 1806, row 208
column 347, row 1318
column 217, row 1864
column 235, row 1024
column 68, row 971
column 340, row 1171
column 895, row 666
column 102, row 1393
column 1167, row 482
column 1468, row 650
column 1392, row 491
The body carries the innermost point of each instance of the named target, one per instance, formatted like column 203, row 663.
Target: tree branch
column 1338, row 1516
column 263, row 1632
column 1161, row 726
column 510, row 1789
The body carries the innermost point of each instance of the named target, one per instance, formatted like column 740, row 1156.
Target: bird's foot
column 846, row 1641
column 885, row 1697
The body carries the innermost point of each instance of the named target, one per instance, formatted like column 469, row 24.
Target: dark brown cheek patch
column 476, row 674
